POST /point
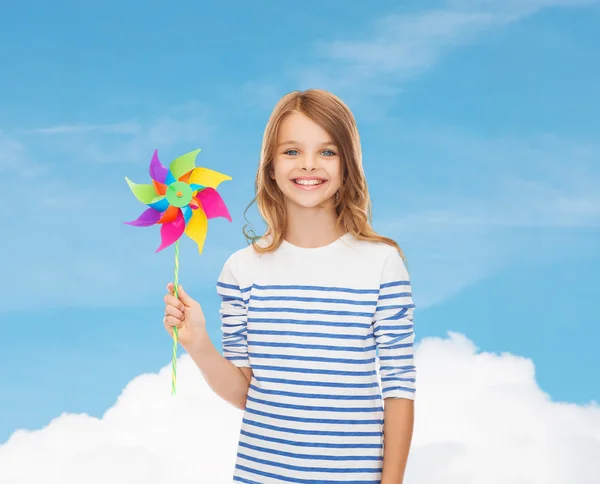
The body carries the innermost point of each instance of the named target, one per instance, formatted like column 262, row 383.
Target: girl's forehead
column 299, row 129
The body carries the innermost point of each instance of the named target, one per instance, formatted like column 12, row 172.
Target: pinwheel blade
column 196, row 228
column 149, row 217
column 159, row 203
column 187, row 213
column 145, row 193
column 158, row 172
column 169, row 215
column 184, row 178
column 207, row 178
column 170, row 178
column 181, row 165
column 171, row 231
column 159, row 188
column 212, row 204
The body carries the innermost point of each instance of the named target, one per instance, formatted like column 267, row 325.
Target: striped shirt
column 328, row 333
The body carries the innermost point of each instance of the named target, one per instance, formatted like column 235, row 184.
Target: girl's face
column 306, row 166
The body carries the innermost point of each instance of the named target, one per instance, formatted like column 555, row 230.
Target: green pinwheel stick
column 181, row 199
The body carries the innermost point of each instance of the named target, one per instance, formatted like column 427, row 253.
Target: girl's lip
column 308, row 187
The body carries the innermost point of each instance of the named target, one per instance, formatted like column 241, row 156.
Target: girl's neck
column 312, row 227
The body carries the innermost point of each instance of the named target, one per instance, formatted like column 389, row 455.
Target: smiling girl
column 316, row 315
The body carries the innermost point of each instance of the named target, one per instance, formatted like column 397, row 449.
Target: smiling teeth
column 309, row 182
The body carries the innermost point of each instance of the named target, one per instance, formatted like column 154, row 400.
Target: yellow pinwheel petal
column 207, row 178
column 197, row 227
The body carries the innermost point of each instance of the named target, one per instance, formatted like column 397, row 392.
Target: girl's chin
column 308, row 202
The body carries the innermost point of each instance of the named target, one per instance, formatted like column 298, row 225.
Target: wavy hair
column 353, row 204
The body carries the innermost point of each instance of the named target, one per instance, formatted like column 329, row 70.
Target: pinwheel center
column 179, row 194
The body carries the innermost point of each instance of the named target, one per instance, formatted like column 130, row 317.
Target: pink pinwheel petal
column 149, row 217
column 171, row 231
column 213, row 204
column 157, row 171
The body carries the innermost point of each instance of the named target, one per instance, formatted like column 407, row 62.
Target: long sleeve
column 233, row 318
column 393, row 330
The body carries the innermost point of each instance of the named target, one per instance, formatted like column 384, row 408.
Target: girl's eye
column 295, row 152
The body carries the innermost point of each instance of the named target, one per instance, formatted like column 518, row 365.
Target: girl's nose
column 308, row 163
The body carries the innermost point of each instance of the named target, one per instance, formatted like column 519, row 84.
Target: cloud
column 125, row 128
column 480, row 417
column 514, row 200
column 513, row 9
column 126, row 141
column 14, row 158
column 511, row 182
column 483, row 418
column 11, row 152
column 369, row 67
column 147, row 436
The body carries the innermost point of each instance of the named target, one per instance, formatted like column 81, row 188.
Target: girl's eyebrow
column 325, row 143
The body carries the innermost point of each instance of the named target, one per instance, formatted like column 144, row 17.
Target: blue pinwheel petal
column 159, row 203
column 170, row 178
column 187, row 213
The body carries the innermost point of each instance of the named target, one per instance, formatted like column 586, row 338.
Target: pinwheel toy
column 181, row 200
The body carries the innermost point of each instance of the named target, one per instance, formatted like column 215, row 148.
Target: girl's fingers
column 173, row 311
column 171, row 322
column 173, row 301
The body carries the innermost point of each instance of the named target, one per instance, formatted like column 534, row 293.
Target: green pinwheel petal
column 180, row 166
column 143, row 192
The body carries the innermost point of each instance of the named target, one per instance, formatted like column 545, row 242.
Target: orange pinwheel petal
column 169, row 215
column 185, row 177
column 161, row 188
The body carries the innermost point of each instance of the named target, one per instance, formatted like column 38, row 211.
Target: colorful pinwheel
column 181, row 200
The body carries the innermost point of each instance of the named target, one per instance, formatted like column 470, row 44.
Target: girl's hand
column 186, row 314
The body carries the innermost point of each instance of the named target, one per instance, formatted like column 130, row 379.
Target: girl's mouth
column 308, row 183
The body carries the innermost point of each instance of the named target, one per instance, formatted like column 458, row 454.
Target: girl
column 305, row 311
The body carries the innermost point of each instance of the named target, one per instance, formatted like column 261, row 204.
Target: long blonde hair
column 353, row 204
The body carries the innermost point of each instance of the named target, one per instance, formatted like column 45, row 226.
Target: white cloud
column 125, row 127
column 376, row 64
column 513, row 201
column 147, row 437
column 483, row 419
column 128, row 141
column 406, row 44
column 11, row 152
column 510, row 183
column 14, row 159
column 513, row 9
column 263, row 95
column 480, row 418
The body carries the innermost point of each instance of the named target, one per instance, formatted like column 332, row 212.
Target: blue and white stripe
column 323, row 359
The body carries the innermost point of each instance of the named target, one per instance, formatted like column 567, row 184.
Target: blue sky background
column 479, row 123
